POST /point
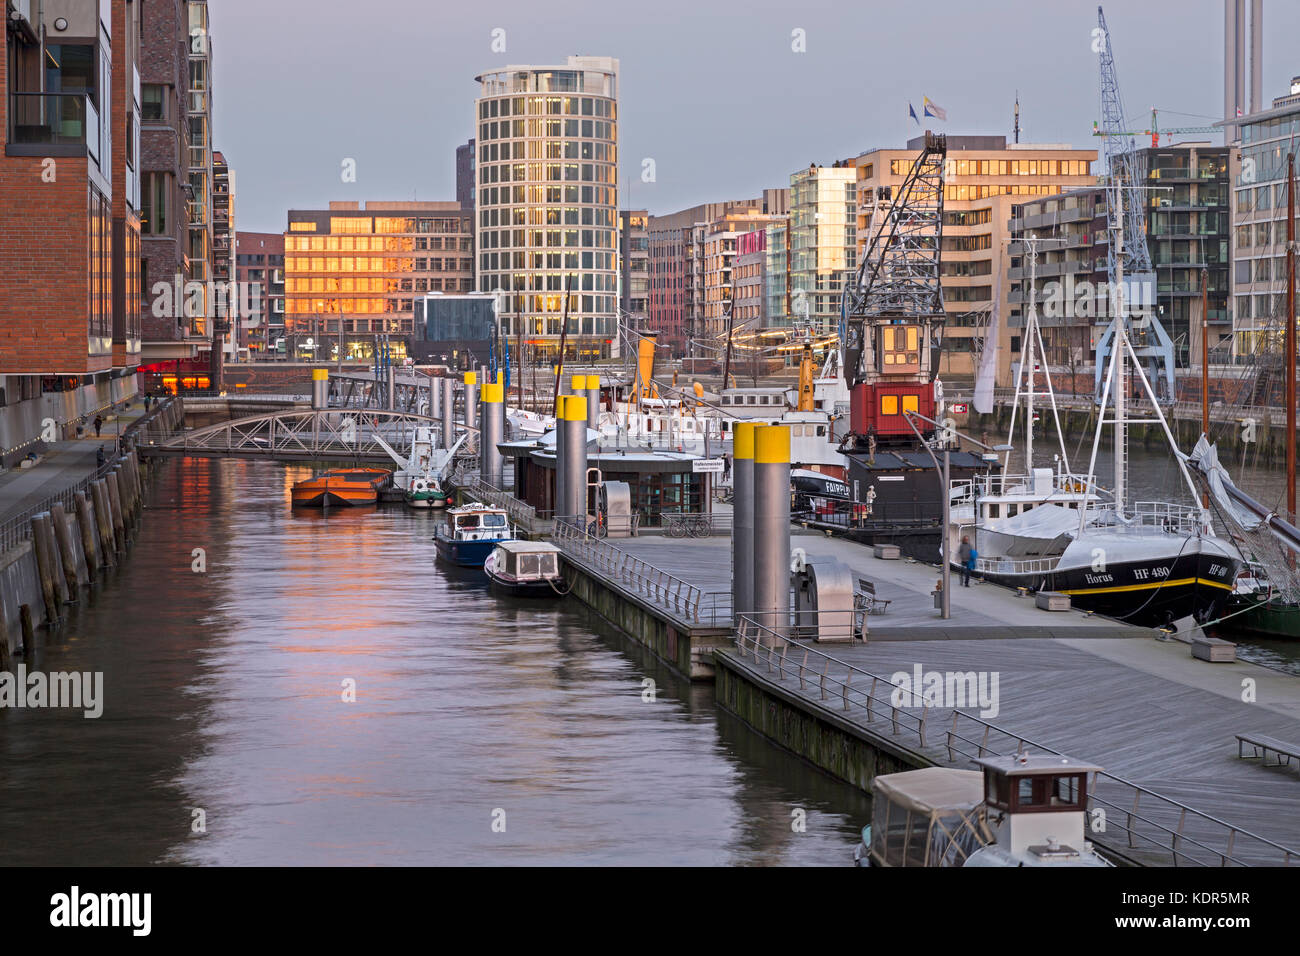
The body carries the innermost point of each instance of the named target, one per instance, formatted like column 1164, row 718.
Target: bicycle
column 700, row 526
column 597, row 528
column 675, row 525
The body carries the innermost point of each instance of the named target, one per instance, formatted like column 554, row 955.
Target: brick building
column 259, row 262
column 68, row 182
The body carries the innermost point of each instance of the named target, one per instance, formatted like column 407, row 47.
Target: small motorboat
column 471, row 533
column 526, row 569
column 347, row 486
column 428, row 492
column 1022, row 810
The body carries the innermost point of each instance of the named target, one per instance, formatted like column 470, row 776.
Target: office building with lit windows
column 354, row 270
column 822, row 237
column 984, row 177
column 547, row 185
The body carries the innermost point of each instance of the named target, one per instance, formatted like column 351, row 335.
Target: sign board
column 708, row 466
column 959, row 408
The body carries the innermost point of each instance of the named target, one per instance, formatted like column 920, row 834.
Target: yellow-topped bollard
column 742, row 517
column 771, row 444
column 490, row 392
column 320, row 387
column 471, row 378
column 772, row 526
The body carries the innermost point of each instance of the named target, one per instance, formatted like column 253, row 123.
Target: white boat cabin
column 478, row 522
column 528, row 560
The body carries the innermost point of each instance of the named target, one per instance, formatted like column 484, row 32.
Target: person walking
column 964, row 558
column 99, row 456
column 98, row 423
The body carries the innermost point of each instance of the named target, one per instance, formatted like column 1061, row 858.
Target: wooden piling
column 115, row 511
column 63, row 535
column 45, row 564
column 29, row 628
column 104, row 521
column 89, row 540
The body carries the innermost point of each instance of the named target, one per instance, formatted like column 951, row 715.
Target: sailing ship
column 1145, row 563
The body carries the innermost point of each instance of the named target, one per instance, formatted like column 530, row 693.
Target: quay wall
column 686, row 648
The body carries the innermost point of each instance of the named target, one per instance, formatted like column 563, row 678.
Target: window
column 153, row 106
column 156, row 187
column 889, row 404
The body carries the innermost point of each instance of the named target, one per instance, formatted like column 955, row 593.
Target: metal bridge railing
column 521, row 514
column 1146, row 820
column 681, row 598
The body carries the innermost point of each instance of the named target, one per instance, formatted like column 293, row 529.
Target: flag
column 933, row 109
column 911, row 111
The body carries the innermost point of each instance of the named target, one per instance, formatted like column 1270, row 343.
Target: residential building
column 984, row 177
column 465, row 174
column 1259, row 179
column 676, row 263
column 750, row 268
column 354, row 269
column 225, row 321
column 199, row 162
column 634, row 266
column 823, row 245
column 547, row 214
column 170, row 84
column 718, row 246
column 776, row 275
column 68, row 181
column 259, row 265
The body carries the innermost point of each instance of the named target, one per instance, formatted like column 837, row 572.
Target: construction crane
column 1155, row 132
column 1151, row 343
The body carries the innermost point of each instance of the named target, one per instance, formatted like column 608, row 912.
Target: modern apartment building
column 822, row 237
column 353, row 270
column 984, row 177
column 546, row 211
column 718, row 247
column 465, row 174
column 1259, row 185
column 634, row 266
column 676, row 263
column 259, row 264
column 68, row 184
column 225, row 325
column 1187, row 231
column 750, row 269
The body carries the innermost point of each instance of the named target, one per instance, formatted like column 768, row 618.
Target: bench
column 866, row 600
column 1263, row 744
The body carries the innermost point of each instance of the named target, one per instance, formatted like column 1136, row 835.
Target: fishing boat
column 1020, row 810
column 430, row 492
column 471, row 533
column 347, row 486
column 525, row 569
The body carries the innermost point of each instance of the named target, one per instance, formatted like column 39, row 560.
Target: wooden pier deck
column 1160, row 722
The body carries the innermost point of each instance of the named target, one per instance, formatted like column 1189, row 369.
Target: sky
column 714, row 92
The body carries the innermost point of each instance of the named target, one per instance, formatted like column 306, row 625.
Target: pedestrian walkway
column 64, row 464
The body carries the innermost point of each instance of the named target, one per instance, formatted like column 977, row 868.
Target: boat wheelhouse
column 471, row 533
column 529, row 569
column 1018, row 810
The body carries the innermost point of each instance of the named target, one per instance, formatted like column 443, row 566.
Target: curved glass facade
column 546, row 203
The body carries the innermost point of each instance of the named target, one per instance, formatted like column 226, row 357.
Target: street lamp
column 945, row 571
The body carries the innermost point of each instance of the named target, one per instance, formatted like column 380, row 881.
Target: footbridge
column 330, row 434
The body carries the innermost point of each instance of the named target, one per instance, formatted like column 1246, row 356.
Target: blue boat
column 471, row 534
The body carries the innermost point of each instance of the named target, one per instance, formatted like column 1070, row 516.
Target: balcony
column 51, row 120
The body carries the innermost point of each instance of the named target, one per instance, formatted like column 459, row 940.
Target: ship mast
column 1120, row 367
column 1290, row 349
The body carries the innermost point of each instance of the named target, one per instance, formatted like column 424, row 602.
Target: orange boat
column 348, row 486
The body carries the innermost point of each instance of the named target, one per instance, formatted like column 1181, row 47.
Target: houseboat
column 471, row 533
column 348, row 486
column 526, row 569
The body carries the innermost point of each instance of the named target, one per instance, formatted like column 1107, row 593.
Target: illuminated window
column 889, row 404
column 911, row 403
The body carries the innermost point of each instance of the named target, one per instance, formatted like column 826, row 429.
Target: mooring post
column 492, row 421
column 742, row 519
column 89, row 542
column 45, row 568
column 772, row 525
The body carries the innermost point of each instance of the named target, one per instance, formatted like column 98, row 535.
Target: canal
column 227, row 642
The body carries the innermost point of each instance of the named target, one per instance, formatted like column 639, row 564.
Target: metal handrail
column 765, row 643
column 17, row 528
column 686, row 600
